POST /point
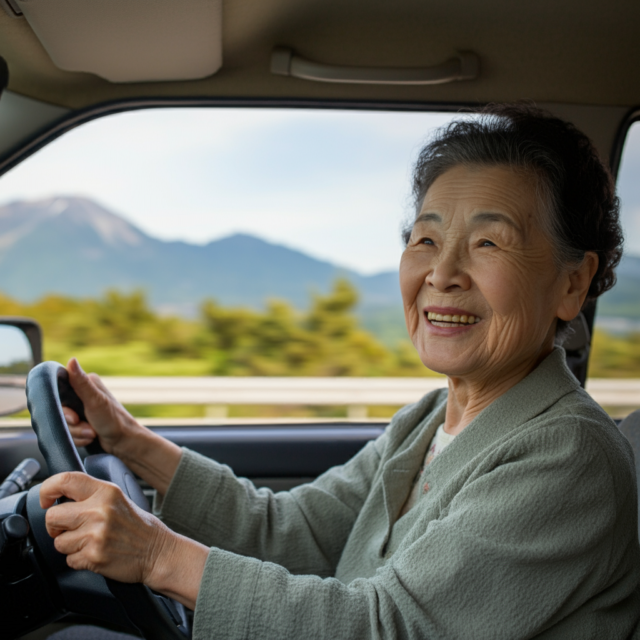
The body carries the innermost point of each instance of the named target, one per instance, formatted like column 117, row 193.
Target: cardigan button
column 426, row 487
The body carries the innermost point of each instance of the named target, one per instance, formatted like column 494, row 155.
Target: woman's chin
column 445, row 358
column 447, row 366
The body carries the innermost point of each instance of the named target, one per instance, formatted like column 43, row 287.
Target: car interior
column 69, row 63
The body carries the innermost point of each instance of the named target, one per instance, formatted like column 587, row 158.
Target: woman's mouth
column 451, row 320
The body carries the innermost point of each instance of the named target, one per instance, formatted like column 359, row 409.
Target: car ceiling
column 572, row 51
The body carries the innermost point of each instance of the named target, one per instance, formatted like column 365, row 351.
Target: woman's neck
column 469, row 396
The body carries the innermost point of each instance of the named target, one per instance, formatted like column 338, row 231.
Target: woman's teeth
column 446, row 320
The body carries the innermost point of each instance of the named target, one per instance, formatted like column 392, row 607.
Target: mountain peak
column 20, row 219
column 74, row 246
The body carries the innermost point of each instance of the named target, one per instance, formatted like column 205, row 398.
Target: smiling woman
column 484, row 255
column 503, row 507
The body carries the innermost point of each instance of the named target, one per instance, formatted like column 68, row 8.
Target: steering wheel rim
column 154, row 617
column 48, row 421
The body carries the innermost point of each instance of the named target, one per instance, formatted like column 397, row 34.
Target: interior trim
column 255, row 452
column 620, row 139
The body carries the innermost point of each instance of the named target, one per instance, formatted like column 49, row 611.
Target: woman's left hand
column 104, row 532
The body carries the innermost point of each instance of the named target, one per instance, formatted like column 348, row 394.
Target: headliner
column 575, row 51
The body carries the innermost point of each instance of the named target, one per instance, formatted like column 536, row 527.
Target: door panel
column 276, row 456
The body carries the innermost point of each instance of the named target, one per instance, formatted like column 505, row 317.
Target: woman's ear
column 578, row 283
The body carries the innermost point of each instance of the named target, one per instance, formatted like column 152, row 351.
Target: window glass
column 218, row 242
column 616, row 341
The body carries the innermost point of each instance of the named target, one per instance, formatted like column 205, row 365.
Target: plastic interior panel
column 123, row 41
column 256, row 452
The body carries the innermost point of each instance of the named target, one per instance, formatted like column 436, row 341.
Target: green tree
column 119, row 334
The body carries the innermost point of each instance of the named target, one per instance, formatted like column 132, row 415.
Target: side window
column 218, row 242
column 616, row 342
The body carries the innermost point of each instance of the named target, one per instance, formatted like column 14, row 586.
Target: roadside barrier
column 216, row 394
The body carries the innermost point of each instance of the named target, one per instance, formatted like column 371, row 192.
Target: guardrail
column 216, row 393
column 618, row 396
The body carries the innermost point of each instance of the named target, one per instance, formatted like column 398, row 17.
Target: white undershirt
column 439, row 442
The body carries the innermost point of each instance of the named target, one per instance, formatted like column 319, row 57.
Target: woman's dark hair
column 575, row 187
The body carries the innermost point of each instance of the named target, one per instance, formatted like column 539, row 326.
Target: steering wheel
column 134, row 607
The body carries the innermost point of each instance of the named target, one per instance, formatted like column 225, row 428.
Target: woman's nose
column 448, row 274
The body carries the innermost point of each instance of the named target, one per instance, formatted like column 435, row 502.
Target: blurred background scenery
column 232, row 242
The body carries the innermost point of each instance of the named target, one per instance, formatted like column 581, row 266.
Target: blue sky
column 14, row 346
column 333, row 184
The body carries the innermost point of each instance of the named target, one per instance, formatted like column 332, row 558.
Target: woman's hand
column 106, row 417
column 149, row 455
column 104, row 532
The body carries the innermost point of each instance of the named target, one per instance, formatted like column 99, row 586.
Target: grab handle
column 465, row 66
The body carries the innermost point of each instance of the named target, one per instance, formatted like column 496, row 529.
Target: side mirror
column 20, row 351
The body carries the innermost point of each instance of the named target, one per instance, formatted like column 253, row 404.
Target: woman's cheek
column 504, row 287
column 413, row 272
column 411, row 281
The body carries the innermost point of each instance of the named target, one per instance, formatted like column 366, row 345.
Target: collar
column 414, row 427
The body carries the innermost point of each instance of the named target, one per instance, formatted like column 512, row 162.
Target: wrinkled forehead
column 500, row 193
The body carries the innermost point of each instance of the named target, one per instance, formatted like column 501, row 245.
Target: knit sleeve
column 304, row 529
column 542, row 542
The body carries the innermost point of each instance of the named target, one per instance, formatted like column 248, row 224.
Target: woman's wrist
column 152, row 457
column 176, row 566
column 131, row 432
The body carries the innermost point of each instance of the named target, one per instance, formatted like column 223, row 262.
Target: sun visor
column 125, row 41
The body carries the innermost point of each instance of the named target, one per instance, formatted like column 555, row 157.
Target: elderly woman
column 501, row 507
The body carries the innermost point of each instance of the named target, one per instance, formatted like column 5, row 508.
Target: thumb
column 74, row 485
column 82, row 384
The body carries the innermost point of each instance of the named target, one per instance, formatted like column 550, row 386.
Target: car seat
column 630, row 427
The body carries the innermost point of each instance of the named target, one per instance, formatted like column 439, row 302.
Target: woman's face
column 477, row 250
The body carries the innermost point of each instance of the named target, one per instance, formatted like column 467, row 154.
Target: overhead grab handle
column 465, row 66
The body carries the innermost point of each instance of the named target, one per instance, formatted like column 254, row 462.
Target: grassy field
column 614, row 356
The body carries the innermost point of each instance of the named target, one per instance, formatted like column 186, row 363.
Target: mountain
column 73, row 246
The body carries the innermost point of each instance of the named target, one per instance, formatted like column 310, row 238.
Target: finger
column 82, row 442
column 82, row 434
column 70, row 416
column 70, row 542
column 83, row 385
column 70, row 484
column 97, row 381
column 68, row 516
column 78, row 562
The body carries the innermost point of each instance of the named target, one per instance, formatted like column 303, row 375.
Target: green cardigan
column 527, row 529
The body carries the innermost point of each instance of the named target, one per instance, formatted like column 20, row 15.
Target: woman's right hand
column 106, row 417
column 146, row 453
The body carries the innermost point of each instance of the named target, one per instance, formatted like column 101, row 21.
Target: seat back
column 630, row 427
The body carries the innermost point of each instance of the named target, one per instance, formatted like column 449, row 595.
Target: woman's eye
column 487, row 243
column 426, row 241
